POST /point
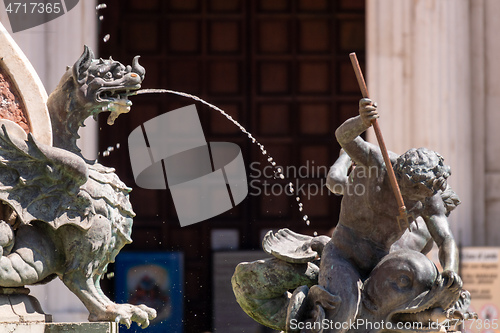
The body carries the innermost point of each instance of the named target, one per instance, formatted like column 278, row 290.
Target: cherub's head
column 421, row 173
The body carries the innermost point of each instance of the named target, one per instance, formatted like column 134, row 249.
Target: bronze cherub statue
column 370, row 271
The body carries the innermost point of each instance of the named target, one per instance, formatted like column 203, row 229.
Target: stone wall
column 432, row 69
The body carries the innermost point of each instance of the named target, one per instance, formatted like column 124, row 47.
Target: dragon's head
column 87, row 88
column 104, row 85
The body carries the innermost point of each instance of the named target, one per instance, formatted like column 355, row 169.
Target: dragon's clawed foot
column 126, row 314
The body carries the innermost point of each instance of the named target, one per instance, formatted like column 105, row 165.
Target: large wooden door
column 279, row 67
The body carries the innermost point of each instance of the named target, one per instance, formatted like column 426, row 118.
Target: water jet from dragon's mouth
column 278, row 172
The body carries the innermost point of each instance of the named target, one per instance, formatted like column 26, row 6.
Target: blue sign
column 154, row 279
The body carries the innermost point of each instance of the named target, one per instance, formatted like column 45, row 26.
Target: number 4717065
column 33, row 8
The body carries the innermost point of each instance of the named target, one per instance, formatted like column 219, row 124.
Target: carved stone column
column 419, row 72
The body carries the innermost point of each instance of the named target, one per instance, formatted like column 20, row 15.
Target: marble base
column 22, row 313
column 101, row 327
column 16, row 306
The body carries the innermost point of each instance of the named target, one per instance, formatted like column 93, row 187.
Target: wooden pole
column 403, row 215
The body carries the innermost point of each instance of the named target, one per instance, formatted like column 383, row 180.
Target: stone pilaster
column 489, row 48
column 419, row 72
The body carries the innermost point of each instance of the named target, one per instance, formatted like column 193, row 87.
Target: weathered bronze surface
column 370, row 272
column 60, row 214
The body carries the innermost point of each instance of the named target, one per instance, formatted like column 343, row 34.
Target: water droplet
column 101, row 6
column 301, row 209
column 315, row 233
column 117, row 146
column 305, row 217
column 106, row 153
column 301, row 204
column 278, row 174
column 308, row 222
column 101, row 18
column 106, row 38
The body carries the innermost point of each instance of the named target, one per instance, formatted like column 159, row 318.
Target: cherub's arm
column 439, row 228
column 336, row 179
column 348, row 133
column 440, row 231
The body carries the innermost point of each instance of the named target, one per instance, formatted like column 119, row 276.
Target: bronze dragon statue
column 62, row 215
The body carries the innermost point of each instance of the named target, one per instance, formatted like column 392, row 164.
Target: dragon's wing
column 289, row 246
column 41, row 182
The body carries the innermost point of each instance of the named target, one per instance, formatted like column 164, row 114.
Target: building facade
column 282, row 69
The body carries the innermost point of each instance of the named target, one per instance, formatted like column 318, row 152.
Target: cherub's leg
column 100, row 307
column 261, row 288
column 417, row 238
column 339, row 279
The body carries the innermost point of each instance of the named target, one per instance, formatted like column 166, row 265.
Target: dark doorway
column 279, row 67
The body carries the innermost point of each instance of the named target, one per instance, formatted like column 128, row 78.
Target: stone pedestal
column 59, row 327
column 16, row 306
column 22, row 313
